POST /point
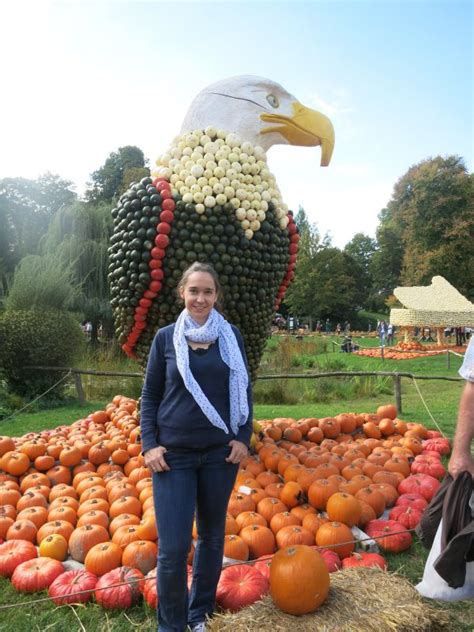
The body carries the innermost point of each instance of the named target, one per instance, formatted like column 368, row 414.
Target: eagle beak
column 305, row 127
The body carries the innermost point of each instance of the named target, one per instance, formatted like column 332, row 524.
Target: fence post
column 397, row 387
column 448, row 358
column 383, row 357
column 79, row 388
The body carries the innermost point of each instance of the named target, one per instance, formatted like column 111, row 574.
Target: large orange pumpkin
column 299, row 580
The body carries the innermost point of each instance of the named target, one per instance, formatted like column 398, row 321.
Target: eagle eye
column 273, row 101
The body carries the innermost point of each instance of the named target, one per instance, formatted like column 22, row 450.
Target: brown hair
column 208, row 269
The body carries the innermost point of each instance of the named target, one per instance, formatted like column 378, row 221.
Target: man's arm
column 461, row 458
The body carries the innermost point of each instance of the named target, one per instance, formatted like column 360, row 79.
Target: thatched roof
column 435, row 305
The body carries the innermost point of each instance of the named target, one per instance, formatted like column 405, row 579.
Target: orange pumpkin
column 299, row 580
column 344, row 508
column 337, row 537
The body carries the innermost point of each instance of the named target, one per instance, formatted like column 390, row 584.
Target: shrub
column 36, row 338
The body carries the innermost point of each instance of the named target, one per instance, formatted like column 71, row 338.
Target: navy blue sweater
column 169, row 415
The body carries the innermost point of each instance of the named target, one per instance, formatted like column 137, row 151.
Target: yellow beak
column 306, row 127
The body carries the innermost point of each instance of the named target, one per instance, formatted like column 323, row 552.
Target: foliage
column 113, row 178
column 360, row 251
column 428, row 227
column 41, row 282
column 36, row 338
column 323, row 286
column 79, row 236
column 26, row 209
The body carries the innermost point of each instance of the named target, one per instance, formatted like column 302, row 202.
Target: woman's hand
column 238, row 453
column 155, row 460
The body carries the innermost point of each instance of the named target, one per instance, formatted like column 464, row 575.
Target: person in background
column 338, row 329
column 328, row 326
column 461, row 457
column 196, row 423
column 390, row 334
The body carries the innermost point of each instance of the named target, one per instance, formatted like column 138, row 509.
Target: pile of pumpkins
column 83, row 493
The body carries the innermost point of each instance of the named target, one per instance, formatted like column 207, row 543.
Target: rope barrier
column 137, row 581
column 426, row 406
column 17, row 412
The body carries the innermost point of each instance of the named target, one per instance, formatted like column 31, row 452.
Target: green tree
column 120, row 168
column 26, row 209
column 360, row 251
column 79, row 235
column 430, row 218
column 300, row 298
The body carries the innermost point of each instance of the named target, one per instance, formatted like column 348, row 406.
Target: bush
column 36, row 338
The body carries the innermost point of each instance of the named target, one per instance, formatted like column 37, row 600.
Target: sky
column 81, row 79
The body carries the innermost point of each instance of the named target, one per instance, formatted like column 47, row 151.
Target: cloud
column 332, row 108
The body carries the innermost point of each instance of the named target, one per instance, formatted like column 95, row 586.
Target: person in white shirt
column 461, row 457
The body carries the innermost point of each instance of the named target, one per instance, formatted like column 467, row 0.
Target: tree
column 26, row 209
column 360, row 251
column 431, row 216
column 300, row 297
column 80, row 236
column 120, row 168
column 323, row 286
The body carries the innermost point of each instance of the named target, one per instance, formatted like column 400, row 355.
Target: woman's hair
column 208, row 269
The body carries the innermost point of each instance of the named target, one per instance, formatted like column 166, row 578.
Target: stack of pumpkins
column 83, row 492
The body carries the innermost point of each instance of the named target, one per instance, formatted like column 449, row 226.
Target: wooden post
column 448, row 358
column 397, row 387
column 79, row 388
column 381, row 348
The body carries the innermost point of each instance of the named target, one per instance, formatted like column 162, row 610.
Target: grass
column 442, row 399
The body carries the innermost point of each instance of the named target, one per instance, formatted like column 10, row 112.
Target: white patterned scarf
column 215, row 327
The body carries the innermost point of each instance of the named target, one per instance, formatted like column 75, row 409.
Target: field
column 281, row 398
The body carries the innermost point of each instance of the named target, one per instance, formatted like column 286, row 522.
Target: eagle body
column 212, row 198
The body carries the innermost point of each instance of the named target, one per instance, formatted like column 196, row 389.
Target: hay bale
column 367, row 599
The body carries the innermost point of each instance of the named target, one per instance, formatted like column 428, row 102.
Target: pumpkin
column 372, row 497
column 22, row 530
column 36, row 574
column 299, row 580
column 422, row 484
column 292, row 494
column 268, row 507
column 110, row 596
column 336, row 537
column 13, row 553
column 422, row 465
column 54, row 546
column 302, row 510
column 344, row 508
column 283, row 519
column 262, row 565
column 84, row 538
column 140, row 554
column 382, row 530
column 239, row 586
column 293, row 534
column 417, row 501
column 260, row 540
column 65, row 585
column 331, row 559
column 387, row 411
column 239, row 503
column 148, row 589
column 408, row 516
column 247, row 518
column 365, row 559
column 102, row 558
column 235, row 548
column 62, row 527
column 320, row 491
column 440, row 445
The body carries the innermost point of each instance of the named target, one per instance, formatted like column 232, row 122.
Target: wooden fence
column 395, row 375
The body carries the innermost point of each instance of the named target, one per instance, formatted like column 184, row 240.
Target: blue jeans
column 201, row 481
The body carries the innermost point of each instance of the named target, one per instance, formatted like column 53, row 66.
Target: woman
column 196, row 422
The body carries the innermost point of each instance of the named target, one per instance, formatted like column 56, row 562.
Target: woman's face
column 199, row 295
